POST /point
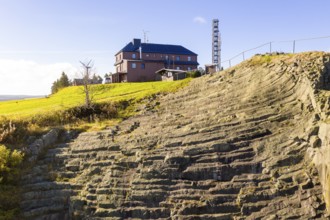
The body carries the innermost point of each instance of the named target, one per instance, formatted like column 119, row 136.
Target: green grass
column 74, row 96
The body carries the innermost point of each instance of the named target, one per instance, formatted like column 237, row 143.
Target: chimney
column 140, row 49
column 136, row 42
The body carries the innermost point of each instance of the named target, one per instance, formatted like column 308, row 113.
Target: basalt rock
column 251, row 142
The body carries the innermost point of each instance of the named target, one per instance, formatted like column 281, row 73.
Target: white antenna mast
column 145, row 36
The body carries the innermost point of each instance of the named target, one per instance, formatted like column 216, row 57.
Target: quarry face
column 251, row 142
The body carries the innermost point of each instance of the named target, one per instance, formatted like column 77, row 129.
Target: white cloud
column 22, row 77
column 199, row 20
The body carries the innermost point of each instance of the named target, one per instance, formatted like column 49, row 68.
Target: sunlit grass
column 74, row 96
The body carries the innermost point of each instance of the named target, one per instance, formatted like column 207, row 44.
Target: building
column 139, row 62
column 210, row 68
column 80, row 82
column 171, row 74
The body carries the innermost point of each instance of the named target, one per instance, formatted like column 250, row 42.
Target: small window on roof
column 133, row 55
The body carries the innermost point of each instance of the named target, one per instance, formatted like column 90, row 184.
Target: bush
column 194, row 74
column 13, row 132
column 9, row 164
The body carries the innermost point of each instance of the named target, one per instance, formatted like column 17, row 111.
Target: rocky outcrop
column 41, row 144
column 246, row 143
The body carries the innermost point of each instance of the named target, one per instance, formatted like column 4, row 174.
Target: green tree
column 60, row 83
column 64, row 80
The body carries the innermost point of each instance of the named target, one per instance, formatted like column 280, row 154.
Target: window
column 133, row 65
column 143, row 66
column 189, row 68
column 147, row 55
column 177, row 58
column 133, row 55
column 178, row 68
column 189, row 58
column 166, row 57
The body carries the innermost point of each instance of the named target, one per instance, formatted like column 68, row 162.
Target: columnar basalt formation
column 251, row 142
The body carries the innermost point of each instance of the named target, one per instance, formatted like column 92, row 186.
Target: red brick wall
column 124, row 62
column 140, row 75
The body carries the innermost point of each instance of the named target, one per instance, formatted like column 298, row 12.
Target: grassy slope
column 74, row 96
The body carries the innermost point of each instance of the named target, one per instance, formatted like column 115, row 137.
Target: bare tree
column 86, row 77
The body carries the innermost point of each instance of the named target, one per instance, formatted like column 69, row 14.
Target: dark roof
column 170, row 62
column 164, row 70
column 157, row 48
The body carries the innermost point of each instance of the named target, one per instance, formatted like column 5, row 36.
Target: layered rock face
column 246, row 143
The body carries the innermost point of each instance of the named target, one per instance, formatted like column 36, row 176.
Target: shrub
column 9, row 164
column 13, row 132
column 194, row 74
column 6, row 130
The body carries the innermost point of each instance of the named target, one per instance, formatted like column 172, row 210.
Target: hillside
column 74, row 96
column 250, row 142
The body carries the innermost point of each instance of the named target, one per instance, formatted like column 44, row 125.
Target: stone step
column 207, row 216
column 33, row 195
column 55, row 201
column 44, row 186
column 39, row 213
column 193, row 209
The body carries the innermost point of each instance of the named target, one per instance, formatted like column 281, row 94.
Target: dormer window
column 133, row 56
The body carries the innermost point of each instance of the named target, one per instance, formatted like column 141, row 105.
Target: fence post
column 270, row 47
column 243, row 56
column 229, row 63
column 294, row 46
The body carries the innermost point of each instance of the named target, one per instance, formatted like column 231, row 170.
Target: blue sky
column 41, row 38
